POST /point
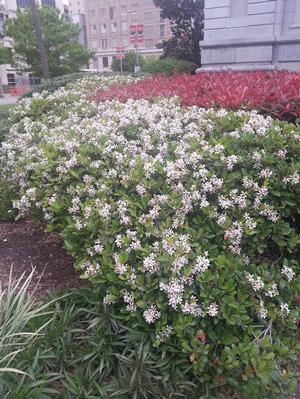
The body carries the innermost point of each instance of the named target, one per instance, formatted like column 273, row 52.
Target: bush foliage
column 273, row 93
column 168, row 66
column 55, row 83
column 184, row 217
column 82, row 349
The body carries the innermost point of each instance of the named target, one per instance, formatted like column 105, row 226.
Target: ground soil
column 25, row 246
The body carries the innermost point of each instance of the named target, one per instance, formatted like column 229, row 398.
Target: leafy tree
column 128, row 62
column 5, row 55
column 186, row 18
column 64, row 52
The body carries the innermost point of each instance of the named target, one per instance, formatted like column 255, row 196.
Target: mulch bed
column 25, row 246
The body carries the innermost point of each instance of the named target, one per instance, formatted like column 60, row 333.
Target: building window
column 105, row 62
column 114, row 42
column 113, row 27
column 111, row 12
column 149, row 43
column 104, row 43
column 148, row 30
column 124, row 41
column 162, row 30
column 11, row 80
column 102, row 12
column 103, row 28
column 123, row 9
column 148, row 3
column 148, row 16
column 161, row 19
column 50, row 3
column 238, row 8
column 94, row 29
column 135, row 6
column 23, row 3
column 124, row 26
column 95, row 63
column 33, row 80
column 94, row 44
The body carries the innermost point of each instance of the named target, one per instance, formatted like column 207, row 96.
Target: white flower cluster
column 131, row 177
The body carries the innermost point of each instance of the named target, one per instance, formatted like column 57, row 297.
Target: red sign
column 120, row 49
column 140, row 29
column 133, row 29
column 120, row 56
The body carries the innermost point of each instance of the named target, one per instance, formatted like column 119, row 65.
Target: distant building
column 251, row 34
column 107, row 24
column 10, row 79
column 77, row 16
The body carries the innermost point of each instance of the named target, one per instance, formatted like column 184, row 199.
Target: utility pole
column 40, row 39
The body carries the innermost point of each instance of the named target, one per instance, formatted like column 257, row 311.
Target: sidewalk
column 8, row 99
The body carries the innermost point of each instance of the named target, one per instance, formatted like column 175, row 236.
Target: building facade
column 251, row 34
column 76, row 13
column 108, row 23
column 10, row 79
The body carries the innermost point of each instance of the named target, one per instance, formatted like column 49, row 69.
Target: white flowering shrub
column 186, row 217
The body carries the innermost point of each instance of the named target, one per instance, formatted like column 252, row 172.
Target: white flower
column 213, row 309
column 202, row 264
column 292, row 179
column 128, row 299
column 265, row 173
column 272, row 291
column 288, row 273
column 151, row 314
column 284, row 309
column 263, row 312
column 164, row 334
column 192, row 307
column 255, row 281
column 150, row 264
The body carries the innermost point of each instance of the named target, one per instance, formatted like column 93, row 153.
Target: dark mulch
column 24, row 246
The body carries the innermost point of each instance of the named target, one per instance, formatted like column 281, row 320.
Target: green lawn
column 5, row 107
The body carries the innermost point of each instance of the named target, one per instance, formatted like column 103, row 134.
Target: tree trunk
column 40, row 40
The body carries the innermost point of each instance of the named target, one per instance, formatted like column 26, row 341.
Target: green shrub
column 4, row 122
column 18, row 311
column 7, row 195
column 128, row 62
column 168, row 66
column 87, row 350
column 55, row 83
column 184, row 217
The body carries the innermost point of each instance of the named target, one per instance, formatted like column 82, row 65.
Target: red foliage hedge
column 276, row 93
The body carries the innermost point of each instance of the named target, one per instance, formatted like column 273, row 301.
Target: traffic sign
column 136, row 33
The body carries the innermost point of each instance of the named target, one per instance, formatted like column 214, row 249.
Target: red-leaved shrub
column 276, row 93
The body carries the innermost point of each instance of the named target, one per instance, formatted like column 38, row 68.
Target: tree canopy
column 5, row 55
column 186, row 18
column 65, row 53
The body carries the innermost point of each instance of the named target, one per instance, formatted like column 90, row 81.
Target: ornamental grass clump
column 186, row 217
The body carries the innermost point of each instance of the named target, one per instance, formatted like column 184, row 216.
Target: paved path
column 8, row 99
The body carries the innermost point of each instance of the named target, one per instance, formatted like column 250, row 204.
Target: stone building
column 251, row 34
column 107, row 25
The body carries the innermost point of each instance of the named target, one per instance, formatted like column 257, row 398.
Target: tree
column 5, row 55
column 64, row 52
column 186, row 18
column 128, row 62
column 40, row 39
